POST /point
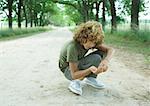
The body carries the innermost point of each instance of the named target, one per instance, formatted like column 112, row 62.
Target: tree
column 47, row 8
column 97, row 10
column 103, row 14
column 133, row 7
column 19, row 4
column 6, row 6
column 25, row 12
column 74, row 14
column 10, row 2
column 30, row 6
column 84, row 7
column 113, row 15
column 135, row 14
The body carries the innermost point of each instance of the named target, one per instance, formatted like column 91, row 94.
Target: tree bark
column 91, row 14
column 135, row 14
column 97, row 10
column 103, row 15
column 19, row 13
column 10, row 2
column 113, row 15
column 31, row 18
column 85, row 10
column 41, row 19
column 35, row 19
column 25, row 15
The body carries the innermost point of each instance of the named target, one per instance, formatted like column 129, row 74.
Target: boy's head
column 90, row 31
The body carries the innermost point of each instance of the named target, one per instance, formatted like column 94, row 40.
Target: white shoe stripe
column 75, row 91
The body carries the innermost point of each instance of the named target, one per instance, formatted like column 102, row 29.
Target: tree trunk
column 25, row 15
column 41, row 19
column 113, row 15
column 91, row 14
column 103, row 15
column 19, row 13
column 97, row 10
column 31, row 12
column 85, row 11
column 10, row 2
column 80, row 10
column 31, row 20
column 35, row 19
column 135, row 14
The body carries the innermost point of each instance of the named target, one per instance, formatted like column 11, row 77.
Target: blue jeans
column 92, row 59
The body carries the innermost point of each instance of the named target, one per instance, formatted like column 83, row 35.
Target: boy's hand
column 102, row 67
column 105, row 68
column 93, row 69
column 104, row 62
column 99, row 70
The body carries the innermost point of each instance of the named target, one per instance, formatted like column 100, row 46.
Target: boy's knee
column 96, row 59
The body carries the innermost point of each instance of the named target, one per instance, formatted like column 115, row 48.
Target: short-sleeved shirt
column 72, row 51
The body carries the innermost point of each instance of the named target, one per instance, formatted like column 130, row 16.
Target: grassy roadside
column 136, row 42
column 9, row 34
column 130, row 42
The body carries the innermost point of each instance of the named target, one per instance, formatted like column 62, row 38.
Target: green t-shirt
column 71, row 52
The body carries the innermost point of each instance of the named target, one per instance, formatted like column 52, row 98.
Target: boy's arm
column 103, row 66
column 79, row 74
column 108, row 50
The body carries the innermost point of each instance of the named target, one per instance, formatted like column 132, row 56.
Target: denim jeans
column 93, row 59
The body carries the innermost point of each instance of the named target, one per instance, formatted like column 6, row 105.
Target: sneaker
column 75, row 87
column 94, row 83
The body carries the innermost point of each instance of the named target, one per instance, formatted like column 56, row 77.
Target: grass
column 138, row 42
column 9, row 34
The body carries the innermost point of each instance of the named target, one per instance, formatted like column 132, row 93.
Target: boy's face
column 89, row 45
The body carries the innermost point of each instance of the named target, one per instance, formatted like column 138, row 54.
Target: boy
column 76, row 66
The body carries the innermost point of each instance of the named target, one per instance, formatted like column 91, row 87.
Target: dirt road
column 29, row 76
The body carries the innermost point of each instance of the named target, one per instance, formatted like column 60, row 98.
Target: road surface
column 29, row 76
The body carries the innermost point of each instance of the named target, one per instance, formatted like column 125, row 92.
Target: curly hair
column 89, row 31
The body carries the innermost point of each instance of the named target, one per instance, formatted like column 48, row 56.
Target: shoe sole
column 74, row 91
column 89, row 83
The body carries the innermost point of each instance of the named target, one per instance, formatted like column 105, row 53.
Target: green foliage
column 73, row 14
column 127, row 6
column 58, row 19
column 61, row 18
column 120, row 19
column 37, row 11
